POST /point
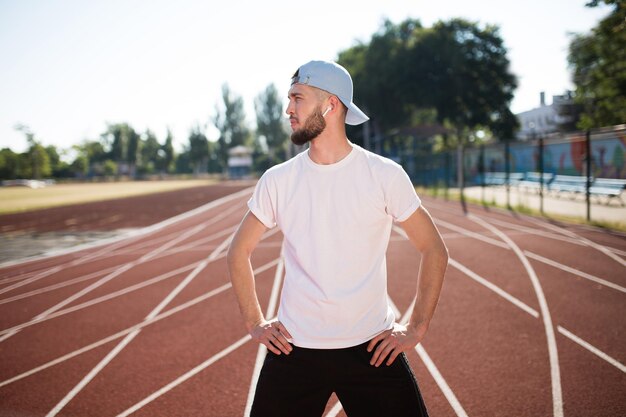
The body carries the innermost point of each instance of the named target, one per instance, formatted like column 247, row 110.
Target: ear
column 333, row 102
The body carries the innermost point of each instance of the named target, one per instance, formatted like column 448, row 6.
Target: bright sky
column 67, row 67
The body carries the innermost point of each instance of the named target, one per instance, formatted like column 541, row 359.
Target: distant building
column 239, row 162
column 560, row 116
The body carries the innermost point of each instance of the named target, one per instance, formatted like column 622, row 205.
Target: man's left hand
column 393, row 342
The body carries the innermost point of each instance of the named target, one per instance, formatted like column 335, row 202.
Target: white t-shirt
column 336, row 220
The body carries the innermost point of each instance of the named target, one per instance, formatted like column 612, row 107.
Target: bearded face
column 313, row 126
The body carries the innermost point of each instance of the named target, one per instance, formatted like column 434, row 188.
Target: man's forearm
column 430, row 281
column 242, row 278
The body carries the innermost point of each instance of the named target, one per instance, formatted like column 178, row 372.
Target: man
column 335, row 205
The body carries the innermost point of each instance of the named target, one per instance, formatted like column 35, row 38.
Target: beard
column 313, row 126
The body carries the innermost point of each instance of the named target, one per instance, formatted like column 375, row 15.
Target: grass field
column 19, row 199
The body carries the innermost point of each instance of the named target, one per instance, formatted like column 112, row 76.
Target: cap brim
column 355, row 116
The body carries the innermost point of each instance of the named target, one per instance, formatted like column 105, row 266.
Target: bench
column 531, row 181
column 571, row 184
column 608, row 188
column 499, row 178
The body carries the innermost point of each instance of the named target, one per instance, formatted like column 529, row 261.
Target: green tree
column 149, row 152
column 269, row 119
column 598, row 61
column 80, row 166
column 166, row 160
column 457, row 68
column 109, row 168
column 134, row 147
column 230, row 121
column 9, row 164
column 38, row 158
column 198, row 150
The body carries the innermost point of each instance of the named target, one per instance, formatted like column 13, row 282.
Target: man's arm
column 272, row 334
column 422, row 232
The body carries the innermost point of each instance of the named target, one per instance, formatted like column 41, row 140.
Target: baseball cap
column 335, row 79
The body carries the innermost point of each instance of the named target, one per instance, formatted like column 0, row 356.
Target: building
column 239, row 162
column 547, row 119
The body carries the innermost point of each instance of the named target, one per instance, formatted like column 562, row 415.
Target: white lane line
column 185, row 248
column 588, row 242
column 129, row 338
column 494, row 288
column 528, row 309
column 136, row 233
column 149, row 256
column 262, row 351
column 575, row 271
column 137, row 326
column 186, row 376
column 531, row 255
column 335, row 410
column 558, row 236
column 57, row 286
column 430, row 365
column 471, row 234
column 485, row 282
column 592, row 349
column 8, row 333
column 555, row 373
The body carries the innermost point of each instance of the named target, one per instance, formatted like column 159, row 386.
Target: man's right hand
column 273, row 335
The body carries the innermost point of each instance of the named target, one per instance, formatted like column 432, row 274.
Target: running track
column 530, row 322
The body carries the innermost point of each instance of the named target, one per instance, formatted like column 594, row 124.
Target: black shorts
column 300, row 384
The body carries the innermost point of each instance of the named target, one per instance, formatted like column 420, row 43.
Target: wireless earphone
column 329, row 108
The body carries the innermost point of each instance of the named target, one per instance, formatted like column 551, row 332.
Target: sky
column 69, row 67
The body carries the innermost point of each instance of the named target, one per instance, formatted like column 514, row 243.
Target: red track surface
column 120, row 327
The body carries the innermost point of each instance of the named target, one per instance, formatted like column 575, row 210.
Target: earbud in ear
column 329, row 108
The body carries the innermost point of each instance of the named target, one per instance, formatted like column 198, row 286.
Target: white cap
column 335, row 79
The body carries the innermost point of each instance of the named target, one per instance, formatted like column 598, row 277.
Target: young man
column 335, row 205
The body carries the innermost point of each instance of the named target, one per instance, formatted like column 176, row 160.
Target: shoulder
column 379, row 165
column 284, row 169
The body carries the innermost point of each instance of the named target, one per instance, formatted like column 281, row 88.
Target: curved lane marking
column 128, row 330
column 555, row 373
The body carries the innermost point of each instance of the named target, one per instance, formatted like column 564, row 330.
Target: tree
column 198, row 150
column 9, row 164
column 149, row 152
column 38, row 158
column 457, row 68
column 598, row 61
column 80, row 166
column 166, row 160
column 134, row 147
column 230, row 121
column 269, row 119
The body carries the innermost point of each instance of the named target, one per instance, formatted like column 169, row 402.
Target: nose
column 289, row 109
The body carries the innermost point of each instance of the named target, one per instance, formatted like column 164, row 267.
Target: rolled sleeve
column 402, row 200
column 262, row 203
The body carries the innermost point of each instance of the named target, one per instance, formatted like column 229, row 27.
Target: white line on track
column 104, row 280
column 213, row 359
column 129, row 338
column 140, row 325
column 262, row 351
column 186, row 376
column 572, row 237
column 500, row 244
column 575, row 271
column 185, row 248
column 430, row 365
column 592, row 349
column 494, row 288
column 137, row 233
column 555, row 373
column 529, row 309
column 588, row 242
column 149, row 256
